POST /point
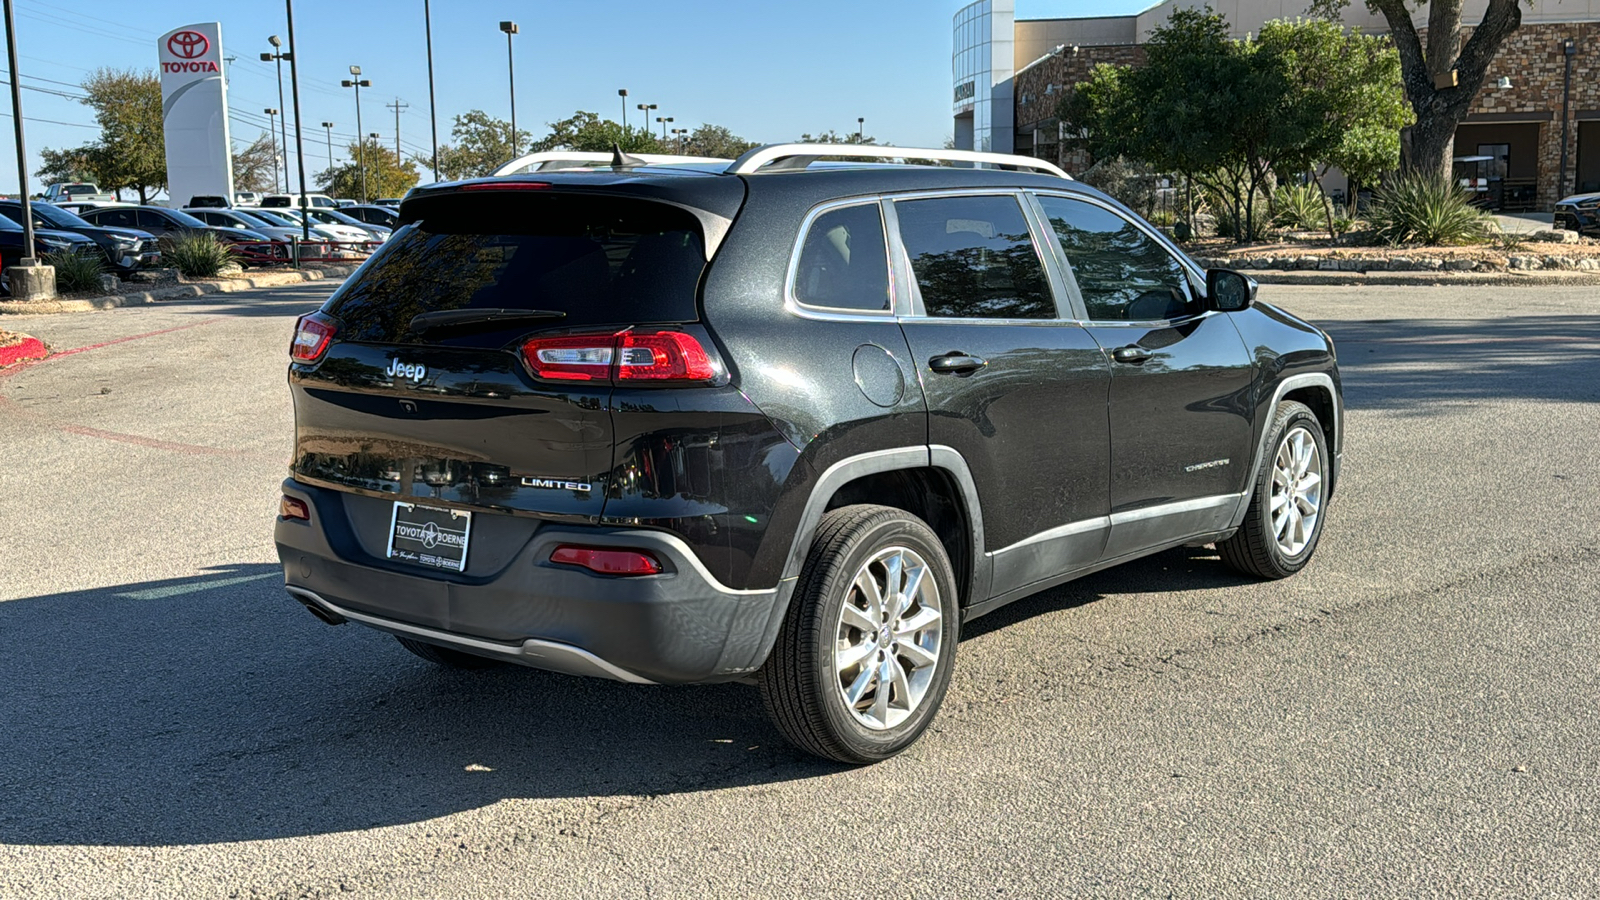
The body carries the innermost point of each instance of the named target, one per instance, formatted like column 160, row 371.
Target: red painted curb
column 30, row 348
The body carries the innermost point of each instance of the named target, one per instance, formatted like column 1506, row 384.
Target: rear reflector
column 292, row 508
column 607, row 562
column 312, row 334
column 655, row 356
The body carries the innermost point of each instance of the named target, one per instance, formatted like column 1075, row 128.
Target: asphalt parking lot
column 1414, row 715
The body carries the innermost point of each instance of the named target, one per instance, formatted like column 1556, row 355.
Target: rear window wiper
column 464, row 318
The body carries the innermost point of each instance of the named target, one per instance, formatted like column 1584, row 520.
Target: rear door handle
column 957, row 362
column 1133, row 353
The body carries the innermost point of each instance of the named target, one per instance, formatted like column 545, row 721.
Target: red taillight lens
column 655, row 356
column 292, row 508
column 573, row 358
column 607, row 562
column 662, row 356
column 312, row 334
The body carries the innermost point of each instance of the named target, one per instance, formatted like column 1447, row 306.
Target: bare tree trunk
column 1327, row 205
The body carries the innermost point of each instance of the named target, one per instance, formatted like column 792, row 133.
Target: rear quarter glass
column 601, row 261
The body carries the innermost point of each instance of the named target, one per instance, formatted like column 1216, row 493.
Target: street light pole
column 272, row 123
column 861, row 129
column 328, row 126
column 299, row 135
column 357, row 82
column 623, row 93
column 1570, row 48
column 664, row 122
column 645, row 109
column 510, row 28
column 283, row 134
column 28, row 259
column 433, row 109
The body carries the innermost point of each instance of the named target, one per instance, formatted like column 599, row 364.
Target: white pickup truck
column 69, row 191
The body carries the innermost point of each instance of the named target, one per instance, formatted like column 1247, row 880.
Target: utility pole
column 399, row 107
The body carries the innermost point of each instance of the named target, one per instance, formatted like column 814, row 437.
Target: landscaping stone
column 1430, row 265
column 1401, row 264
column 1554, row 237
column 1524, row 262
column 1460, row 265
column 109, row 284
column 1307, row 262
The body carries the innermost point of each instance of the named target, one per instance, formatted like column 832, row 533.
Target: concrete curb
column 174, row 292
column 1515, row 279
column 30, row 348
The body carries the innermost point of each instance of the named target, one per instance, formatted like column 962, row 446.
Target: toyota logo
column 188, row 44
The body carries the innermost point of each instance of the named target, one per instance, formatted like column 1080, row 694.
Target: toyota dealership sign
column 194, row 111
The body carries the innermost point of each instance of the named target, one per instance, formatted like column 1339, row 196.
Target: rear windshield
column 600, row 260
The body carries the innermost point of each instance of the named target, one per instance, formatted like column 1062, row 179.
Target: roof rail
column 554, row 159
column 793, row 157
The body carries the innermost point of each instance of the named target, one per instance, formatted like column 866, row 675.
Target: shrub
column 1418, row 209
column 77, row 270
column 1299, row 206
column 1225, row 219
column 198, row 255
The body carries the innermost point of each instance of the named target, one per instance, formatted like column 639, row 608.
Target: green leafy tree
column 65, row 165
column 254, row 168
column 833, row 137
column 586, row 131
column 1442, row 79
column 386, row 174
column 131, row 151
column 481, row 144
column 716, row 141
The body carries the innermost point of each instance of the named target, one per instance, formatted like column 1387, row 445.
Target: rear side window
column 599, row 260
column 844, row 262
column 974, row 258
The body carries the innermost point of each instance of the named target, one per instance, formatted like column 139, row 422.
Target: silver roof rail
column 561, row 159
column 793, row 157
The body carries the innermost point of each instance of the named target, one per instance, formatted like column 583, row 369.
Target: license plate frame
column 425, row 535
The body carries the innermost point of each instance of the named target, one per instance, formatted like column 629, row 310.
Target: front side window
column 973, row 258
column 1123, row 273
column 843, row 262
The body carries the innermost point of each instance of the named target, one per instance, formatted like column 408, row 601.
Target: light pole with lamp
column 664, row 122
column 510, row 28
column 433, row 109
column 272, row 123
column 680, row 132
column 645, row 109
column 357, row 82
column 40, row 281
column 328, row 127
column 861, row 129
column 623, row 93
column 278, row 56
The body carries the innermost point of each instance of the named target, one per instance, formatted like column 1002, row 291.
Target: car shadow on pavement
column 215, row 709
column 1414, row 365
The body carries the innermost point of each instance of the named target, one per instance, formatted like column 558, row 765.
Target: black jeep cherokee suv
column 785, row 422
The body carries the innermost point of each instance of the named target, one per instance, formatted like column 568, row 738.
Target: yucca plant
column 77, row 270
column 1299, row 206
column 198, row 255
column 1422, row 209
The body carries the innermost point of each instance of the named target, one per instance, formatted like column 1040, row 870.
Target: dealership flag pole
column 299, row 139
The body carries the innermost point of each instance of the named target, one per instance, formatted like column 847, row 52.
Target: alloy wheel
column 887, row 644
column 1296, row 491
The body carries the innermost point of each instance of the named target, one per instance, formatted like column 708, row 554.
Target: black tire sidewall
column 905, row 530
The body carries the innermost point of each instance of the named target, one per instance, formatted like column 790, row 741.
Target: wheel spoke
column 1278, row 500
column 920, row 656
column 924, row 618
column 868, row 586
column 1281, row 525
column 1309, row 481
column 855, row 617
column 902, row 685
column 880, row 700
column 859, row 687
column 850, row 657
column 913, row 585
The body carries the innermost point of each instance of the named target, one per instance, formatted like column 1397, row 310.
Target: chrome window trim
column 1183, row 259
column 793, row 305
column 901, row 258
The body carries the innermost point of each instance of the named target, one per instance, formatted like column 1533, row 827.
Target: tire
column 824, row 651
column 1266, row 545
column 444, row 656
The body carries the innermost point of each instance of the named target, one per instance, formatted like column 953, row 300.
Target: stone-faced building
column 1009, row 75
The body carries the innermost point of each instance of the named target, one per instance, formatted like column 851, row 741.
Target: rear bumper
column 513, row 604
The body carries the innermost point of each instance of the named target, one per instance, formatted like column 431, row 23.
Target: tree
column 586, row 131
column 482, row 144
column 65, row 165
column 254, row 167
column 716, row 141
column 131, row 151
column 833, row 137
column 386, row 174
column 1441, row 81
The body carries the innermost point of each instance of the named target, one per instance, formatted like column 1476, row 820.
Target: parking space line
column 176, row 590
column 121, row 340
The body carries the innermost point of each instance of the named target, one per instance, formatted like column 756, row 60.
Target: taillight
column 654, row 356
column 293, row 508
column 607, row 562
column 312, row 334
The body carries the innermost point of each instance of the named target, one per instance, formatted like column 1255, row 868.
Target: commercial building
column 1010, row 73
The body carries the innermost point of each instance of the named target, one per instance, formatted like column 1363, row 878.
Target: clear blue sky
column 767, row 71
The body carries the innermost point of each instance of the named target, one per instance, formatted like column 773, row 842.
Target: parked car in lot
column 1580, row 213
column 786, row 422
column 338, row 217
column 243, row 220
column 68, row 191
column 246, row 198
column 387, row 216
column 388, row 201
column 45, row 241
column 169, row 224
column 274, row 201
column 126, row 249
column 331, row 229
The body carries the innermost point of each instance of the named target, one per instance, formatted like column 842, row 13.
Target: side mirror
column 1229, row 291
